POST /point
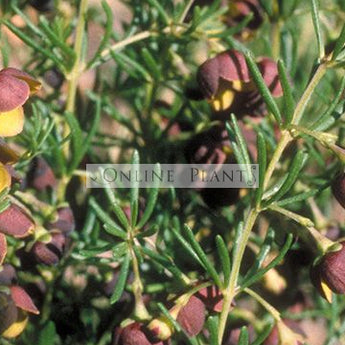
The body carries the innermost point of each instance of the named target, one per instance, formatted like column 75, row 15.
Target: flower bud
column 15, row 222
column 7, row 275
column 192, row 316
column 41, row 175
column 50, row 253
column 65, row 220
column 338, row 188
column 328, row 275
column 285, row 332
column 133, row 334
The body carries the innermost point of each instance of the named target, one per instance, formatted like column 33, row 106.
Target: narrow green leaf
column 263, row 335
column 95, row 251
column 84, row 144
column 162, row 14
column 240, row 139
column 106, row 36
column 186, row 246
column 121, row 216
column 151, row 201
column 289, row 102
column 302, row 196
column 131, row 66
column 267, row 6
column 264, row 91
column 32, row 43
column 212, row 326
column 234, row 145
column 224, row 257
column 262, row 161
column 110, row 226
column 322, row 124
column 339, row 45
column 256, row 277
column 164, row 262
column 55, row 40
column 151, row 63
column 244, row 336
column 119, row 250
column 134, row 195
column 202, row 256
column 264, row 250
column 47, row 335
column 120, row 285
column 315, row 9
column 296, row 167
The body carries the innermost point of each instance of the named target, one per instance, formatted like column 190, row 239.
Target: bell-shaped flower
column 15, row 89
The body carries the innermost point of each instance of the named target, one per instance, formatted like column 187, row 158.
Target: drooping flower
column 133, row 334
column 15, row 304
column 14, row 221
column 191, row 317
column 15, row 88
column 226, row 83
column 328, row 274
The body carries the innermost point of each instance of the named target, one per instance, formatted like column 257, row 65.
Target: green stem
column 284, row 141
column 296, row 217
column 73, row 78
column 303, row 102
column 76, row 70
column 230, row 290
column 308, row 233
column 140, row 310
column 119, row 45
column 273, row 311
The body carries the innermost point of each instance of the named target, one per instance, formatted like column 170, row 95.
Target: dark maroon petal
column 32, row 83
column 333, row 269
column 8, row 312
column 15, row 222
column 65, row 220
column 41, row 175
column 22, row 300
column 233, row 66
column 132, row 334
column 7, row 275
column 269, row 71
column 192, row 316
column 50, row 253
column 208, row 77
column 338, row 188
column 13, row 92
column 230, row 65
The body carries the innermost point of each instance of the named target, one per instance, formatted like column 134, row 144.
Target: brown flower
column 14, row 309
column 14, row 221
column 328, row 275
column 133, row 334
column 191, row 317
column 226, row 83
column 15, row 89
column 51, row 252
